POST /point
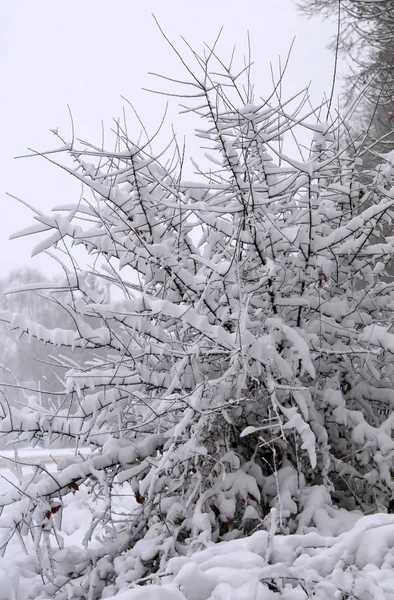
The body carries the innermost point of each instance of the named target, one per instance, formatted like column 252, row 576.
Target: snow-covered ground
column 358, row 563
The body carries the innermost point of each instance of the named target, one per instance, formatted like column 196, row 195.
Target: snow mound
column 358, row 563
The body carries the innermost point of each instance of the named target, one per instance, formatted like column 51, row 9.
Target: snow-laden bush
column 246, row 363
column 266, row 565
column 357, row 564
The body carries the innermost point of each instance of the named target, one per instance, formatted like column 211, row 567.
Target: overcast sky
column 89, row 53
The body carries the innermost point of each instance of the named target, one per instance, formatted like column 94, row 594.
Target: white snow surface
column 291, row 567
column 268, row 565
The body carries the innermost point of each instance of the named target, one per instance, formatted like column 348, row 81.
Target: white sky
column 87, row 53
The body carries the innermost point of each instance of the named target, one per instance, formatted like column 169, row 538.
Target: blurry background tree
column 22, row 355
column 366, row 34
column 26, row 364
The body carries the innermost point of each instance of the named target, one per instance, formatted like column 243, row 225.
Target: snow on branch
column 238, row 368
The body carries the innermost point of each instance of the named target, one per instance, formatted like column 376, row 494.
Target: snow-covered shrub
column 246, row 362
column 356, row 564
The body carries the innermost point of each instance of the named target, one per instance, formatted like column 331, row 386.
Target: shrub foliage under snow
column 242, row 379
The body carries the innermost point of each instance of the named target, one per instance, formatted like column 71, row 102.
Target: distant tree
column 247, row 362
column 26, row 364
column 21, row 355
column 362, row 22
column 366, row 37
